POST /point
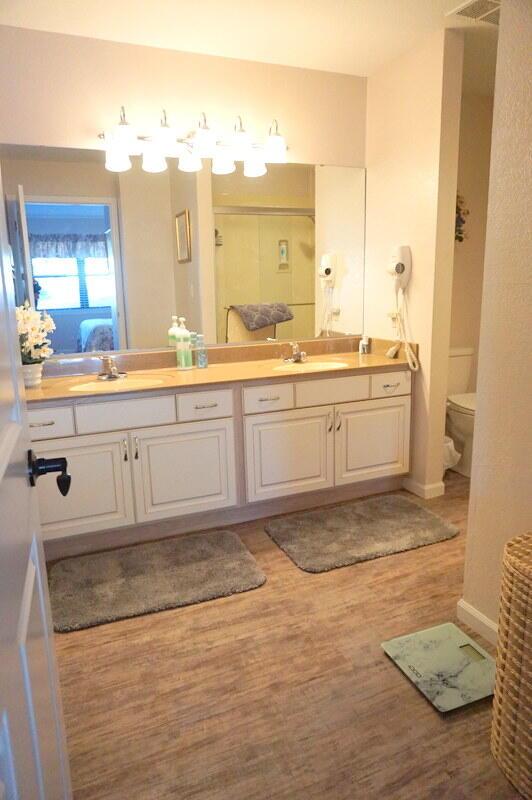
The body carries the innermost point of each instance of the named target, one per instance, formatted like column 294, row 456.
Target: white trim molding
column 425, row 490
column 476, row 620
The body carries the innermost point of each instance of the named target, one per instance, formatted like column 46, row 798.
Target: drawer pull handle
column 42, row 424
column 330, row 422
column 201, row 406
column 124, row 445
column 269, row 399
column 391, row 385
column 338, row 421
column 136, row 456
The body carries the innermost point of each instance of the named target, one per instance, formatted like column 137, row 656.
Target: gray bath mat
column 93, row 589
column 320, row 540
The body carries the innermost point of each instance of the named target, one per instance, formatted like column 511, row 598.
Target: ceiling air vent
column 479, row 10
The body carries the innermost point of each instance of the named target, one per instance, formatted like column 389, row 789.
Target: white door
column 33, row 761
column 101, row 494
column 372, row 439
column 288, row 452
column 182, row 469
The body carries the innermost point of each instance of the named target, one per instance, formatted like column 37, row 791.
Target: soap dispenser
column 172, row 332
column 183, row 349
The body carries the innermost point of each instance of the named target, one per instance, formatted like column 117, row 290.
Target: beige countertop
column 78, row 386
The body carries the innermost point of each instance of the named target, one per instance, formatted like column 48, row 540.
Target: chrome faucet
column 298, row 355
column 109, row 369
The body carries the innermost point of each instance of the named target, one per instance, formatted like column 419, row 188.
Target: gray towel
column 260, row 316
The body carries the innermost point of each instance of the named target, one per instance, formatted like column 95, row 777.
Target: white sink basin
column 121, row 385
column 311, row 366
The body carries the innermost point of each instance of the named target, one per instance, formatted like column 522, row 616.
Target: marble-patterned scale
column 445, row 664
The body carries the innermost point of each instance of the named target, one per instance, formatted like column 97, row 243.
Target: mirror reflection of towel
column 262, row 315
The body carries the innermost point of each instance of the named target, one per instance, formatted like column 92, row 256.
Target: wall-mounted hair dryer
column 400, row 267
column 327, row 268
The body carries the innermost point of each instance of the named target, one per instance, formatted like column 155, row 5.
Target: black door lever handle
column 42, row 466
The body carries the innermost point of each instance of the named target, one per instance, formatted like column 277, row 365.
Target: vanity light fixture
column 275, row 145
column 122, row 141
column 204, row 142
column 166, row 139
column 241, row 141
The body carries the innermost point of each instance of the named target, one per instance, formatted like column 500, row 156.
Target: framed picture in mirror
column 182, row 225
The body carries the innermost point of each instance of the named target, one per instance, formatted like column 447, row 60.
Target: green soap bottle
column 183, row 349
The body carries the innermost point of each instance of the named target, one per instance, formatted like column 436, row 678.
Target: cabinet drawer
column 204, row 405
column 332, row 390
column 50, row 423
column 119, row 414
column 272, row 397
column 388, row 384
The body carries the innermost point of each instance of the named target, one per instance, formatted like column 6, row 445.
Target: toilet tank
column 460, row 364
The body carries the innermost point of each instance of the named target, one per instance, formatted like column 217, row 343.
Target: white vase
column 32, row 375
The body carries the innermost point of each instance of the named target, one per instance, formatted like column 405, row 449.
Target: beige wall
column 284, row 185
column 412, row 157
column 340, row 201
column 147, row 250
column 473, row 180
column 500, row 506
column 58, row 178
column 69, row 88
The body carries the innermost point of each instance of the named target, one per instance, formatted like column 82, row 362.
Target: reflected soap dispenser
column 172, row 332
column 183, row 348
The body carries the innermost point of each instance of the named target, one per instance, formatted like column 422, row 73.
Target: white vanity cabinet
column 288, row 452
column 100, row 495
column 181, row 469
column 372, row 439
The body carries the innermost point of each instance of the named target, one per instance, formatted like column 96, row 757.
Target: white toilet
column 461, row 404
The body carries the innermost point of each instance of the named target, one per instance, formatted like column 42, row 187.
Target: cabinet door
column 288, row 452
column 100, row 495
column 372, row 439
column 182, row 469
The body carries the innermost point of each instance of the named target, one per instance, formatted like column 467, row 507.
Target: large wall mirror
column 112, row 256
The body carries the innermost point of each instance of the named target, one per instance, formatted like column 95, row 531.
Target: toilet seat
column 464, row 403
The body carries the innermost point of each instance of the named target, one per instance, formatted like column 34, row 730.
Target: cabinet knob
column 136, row 456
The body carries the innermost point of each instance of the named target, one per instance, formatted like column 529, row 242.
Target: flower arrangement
column 33, row 328
column 460, row 221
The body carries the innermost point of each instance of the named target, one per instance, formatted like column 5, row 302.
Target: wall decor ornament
column 461, row 213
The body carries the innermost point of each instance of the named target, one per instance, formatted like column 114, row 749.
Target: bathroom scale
column 445, row 664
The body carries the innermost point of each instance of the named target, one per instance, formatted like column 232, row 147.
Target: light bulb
column 189, row 162
column 117, row 160
column 254, row 166
column 275, row 145
column 241, row 142
column 204, row 141
column 223, row 162
column 153, row 159
column 165, row 137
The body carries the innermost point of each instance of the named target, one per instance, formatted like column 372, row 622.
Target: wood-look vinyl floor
column 282, row 693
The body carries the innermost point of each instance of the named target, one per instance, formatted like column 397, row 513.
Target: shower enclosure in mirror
column 98, row 250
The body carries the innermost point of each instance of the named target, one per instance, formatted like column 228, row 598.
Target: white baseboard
column 475, row 619
column 425, row 490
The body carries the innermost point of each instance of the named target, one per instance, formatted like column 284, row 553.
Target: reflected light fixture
column 153, row 159
column 223, row 162
column 275, row 145
column 189, row 161
column 254, row 164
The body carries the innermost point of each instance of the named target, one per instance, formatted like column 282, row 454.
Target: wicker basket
column 511, row 733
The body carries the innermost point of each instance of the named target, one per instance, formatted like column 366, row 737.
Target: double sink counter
column 163, row 444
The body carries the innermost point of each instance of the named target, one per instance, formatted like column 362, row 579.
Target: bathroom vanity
column 163, row 444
